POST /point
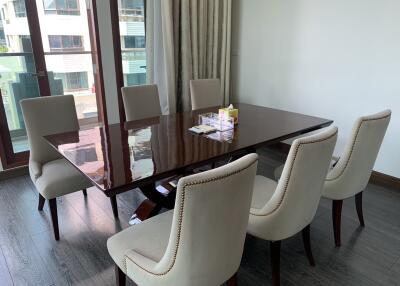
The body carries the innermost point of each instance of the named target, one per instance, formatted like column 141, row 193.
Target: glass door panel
column 73, row 74
column 133, row 41
column 18, row 75
column 66, row 39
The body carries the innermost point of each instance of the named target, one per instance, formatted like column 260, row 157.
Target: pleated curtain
column 187, row 39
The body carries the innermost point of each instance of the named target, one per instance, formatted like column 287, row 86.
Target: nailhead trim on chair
column 290, row 172
column 180, row 219
column 354, row 144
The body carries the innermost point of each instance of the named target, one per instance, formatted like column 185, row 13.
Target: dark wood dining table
column 120, row 157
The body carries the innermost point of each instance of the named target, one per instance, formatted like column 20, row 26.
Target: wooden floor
column 29, row 255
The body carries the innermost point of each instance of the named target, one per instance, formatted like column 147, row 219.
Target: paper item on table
column 174, row 183
column 202, row 129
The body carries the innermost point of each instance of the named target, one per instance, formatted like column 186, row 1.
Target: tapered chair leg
column 275, row 247
column 307, row 244
column 337, row 217
column 120, row 276
column 232, row 281
column 42, row 200
column 360, row 208
column 84, row 192
column 54, row 217
column 114, row 205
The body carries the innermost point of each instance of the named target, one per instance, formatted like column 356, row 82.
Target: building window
column 61, row 7
column 131, row 8
column 65, row 43
column 19, row 8
column 3, row 41
column 134, row 79
column 25, row 43
column 132, row 42
column 73, row 81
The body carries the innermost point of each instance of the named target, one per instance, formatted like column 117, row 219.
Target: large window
column 19, row 8
column 61, row 7
column 132, row 42
column 73, row 81
column 65, row 43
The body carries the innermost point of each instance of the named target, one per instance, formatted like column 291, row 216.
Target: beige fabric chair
column 201, row 241
column 351, row 173
column 141, row 101
column 52, row 175
column 205, row 93
column 280, row 210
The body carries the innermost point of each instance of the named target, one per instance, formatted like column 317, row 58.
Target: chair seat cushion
column 59, row 178
column 263, row 190
column 149, row 238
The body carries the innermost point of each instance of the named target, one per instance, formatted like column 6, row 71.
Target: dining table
column 125, row 156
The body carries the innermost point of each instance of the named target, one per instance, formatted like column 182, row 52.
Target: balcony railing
column 131, row 15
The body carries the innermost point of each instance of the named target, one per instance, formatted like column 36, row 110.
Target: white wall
column 337, row 59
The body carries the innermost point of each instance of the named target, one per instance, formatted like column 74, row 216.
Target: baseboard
column 15, row 172
column 376, row 178
column 384, row 180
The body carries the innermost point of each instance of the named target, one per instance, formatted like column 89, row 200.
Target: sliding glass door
column 45, row 49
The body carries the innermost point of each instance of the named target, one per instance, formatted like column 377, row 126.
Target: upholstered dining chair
column 351, row 173
column 52, row 175
column 205, row 93
column 201, row 241
column 281, row 210
column 141, row 101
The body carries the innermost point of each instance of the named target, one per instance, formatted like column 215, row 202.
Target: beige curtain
column 187, row 39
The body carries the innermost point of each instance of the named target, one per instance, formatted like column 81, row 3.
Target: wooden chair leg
column 42, row 200
column 114, row 205
column 120, row 276
column 337, row 217
column 307, row 244
column 360, row 208
column 54, row 217
column 232, row 281
column 275, row 247
column 84, row 191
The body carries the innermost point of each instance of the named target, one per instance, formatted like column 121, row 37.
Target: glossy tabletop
column 123, row 156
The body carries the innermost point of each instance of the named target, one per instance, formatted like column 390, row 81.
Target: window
column 19, row 8
column 73, row 80
column 134, row 79
column 3, row 41
column 25, row 43
column 65, row 43
column 61, row 7
column 131, row 8
column 131, row 42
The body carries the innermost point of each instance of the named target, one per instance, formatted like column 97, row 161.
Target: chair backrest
column 141, row 101
column 295, row 200
column 353, row 170
column 45, row 116
column 205, row 93
column 209, row 225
